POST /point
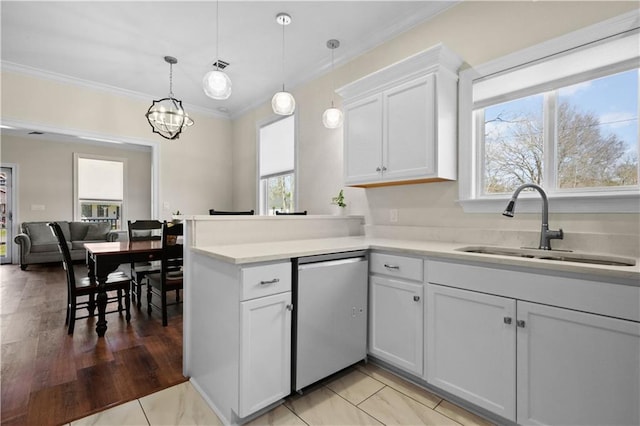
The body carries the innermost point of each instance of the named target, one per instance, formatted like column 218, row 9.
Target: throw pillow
column 98, row 231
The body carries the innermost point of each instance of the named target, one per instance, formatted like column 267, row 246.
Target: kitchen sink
column 557, row 255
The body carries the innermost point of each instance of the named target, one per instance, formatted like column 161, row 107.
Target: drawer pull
column 394, row 267
column 273, row 281
column 507, row 320
column 416, row 298
column 520, row 323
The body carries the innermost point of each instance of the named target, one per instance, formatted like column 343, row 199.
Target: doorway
column 6, row 214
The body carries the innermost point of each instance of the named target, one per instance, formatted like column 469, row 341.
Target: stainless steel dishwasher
column 330, row 316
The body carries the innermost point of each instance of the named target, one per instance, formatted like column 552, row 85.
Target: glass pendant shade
column 168, row 118
column 283, row 103
column 217, row 85
column 332, row 118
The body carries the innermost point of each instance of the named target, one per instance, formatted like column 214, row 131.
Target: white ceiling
column 120, row 45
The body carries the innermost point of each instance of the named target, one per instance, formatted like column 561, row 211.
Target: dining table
column 104, row 258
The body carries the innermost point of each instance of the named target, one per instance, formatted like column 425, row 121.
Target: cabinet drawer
column 397, row 266
column 264, row 280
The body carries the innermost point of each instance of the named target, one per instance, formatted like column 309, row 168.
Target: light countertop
column 279, row 250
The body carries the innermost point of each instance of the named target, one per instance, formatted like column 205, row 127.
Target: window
column 276, row 172
column 592, row 127
column 99, row 189
column 564, row 117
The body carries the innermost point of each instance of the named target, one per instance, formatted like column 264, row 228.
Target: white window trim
column 270, row 120
column 623, row 201
column 76, row 201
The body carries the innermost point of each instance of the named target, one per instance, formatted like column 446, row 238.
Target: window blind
column 617, row 53
column 100, row 179
column 277, row 147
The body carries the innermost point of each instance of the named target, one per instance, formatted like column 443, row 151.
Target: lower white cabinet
column 576, row 368
column 396, row 322
column 573, row 368
column 471, row 346
column 265, row 351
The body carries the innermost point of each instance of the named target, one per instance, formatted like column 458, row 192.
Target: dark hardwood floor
column 50, row 378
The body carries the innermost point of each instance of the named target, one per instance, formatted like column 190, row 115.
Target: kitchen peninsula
column 576, row 325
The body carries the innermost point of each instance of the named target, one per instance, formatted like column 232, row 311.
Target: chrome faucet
column 545, row 234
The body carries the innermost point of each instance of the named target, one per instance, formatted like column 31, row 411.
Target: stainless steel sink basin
column 557, row 255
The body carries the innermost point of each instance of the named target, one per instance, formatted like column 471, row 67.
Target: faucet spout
column 545, row 234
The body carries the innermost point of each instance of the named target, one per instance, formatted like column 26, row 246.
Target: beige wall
column 45, row 176
column 479, row 32
column 194, row 171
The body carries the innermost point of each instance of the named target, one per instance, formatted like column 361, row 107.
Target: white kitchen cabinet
column 573, row 367
column 239, row 334
column 576, row 368
column 400, row 122
column 363, row 130
column 265, row 351
column 471, row 347
column 396, row 316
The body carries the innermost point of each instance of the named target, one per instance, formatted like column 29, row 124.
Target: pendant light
column 283, row 102
column 166, row 116
column 332, row 117
column 216, row 84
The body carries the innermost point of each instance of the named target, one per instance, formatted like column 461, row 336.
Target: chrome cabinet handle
column 394, row 267
column 520, row 323
column 273, row 281
column 507, row 320
column 416, row 298
column 290, row 307
column 378, row 169
column 384, row 169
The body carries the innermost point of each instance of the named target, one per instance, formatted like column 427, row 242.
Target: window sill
column 558, row 203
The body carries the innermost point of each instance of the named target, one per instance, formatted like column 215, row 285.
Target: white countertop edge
column 272, row 251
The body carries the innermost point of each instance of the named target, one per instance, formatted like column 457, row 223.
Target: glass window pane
column 101, row 211
column 597, row 143
column 280, row 194
column 513, row 144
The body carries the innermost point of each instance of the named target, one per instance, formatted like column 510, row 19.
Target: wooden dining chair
column 214, row 212
column 170, row 276
column 303, row 213
column 142, row 230
column 78, row 287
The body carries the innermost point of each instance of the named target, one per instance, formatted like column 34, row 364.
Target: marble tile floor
column 362, row 395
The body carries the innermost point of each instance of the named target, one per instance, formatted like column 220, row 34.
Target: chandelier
column 166, row 116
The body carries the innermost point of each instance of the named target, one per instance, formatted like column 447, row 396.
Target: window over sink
column 563, row 115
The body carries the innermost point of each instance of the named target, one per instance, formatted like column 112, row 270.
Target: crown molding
column 78, row 82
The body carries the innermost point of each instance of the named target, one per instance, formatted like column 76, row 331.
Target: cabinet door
column 395, row 324
column 363, row 140
column 265, row 352
column 409, row 130
column 471, row 347
column 576, row 368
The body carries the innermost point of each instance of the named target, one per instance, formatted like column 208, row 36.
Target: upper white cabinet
column 400, row 122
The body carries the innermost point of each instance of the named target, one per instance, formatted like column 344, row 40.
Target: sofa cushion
column 97, row 231
column 78, row 230
column 40, row 233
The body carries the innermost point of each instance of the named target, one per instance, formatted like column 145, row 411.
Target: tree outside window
column 592, row 127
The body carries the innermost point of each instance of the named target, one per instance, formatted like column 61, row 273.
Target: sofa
column 37, row 244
